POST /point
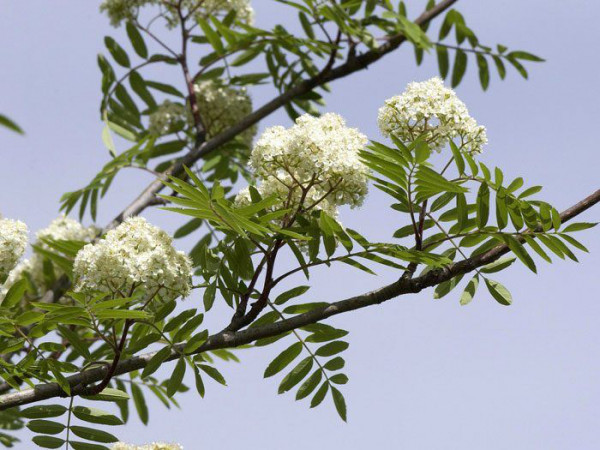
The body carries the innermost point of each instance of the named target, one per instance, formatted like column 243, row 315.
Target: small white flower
column 134, row 254
column 431, row 109
column 13, row 242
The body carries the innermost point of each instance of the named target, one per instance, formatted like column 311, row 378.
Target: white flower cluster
column 65, row 229
column 222, row 106
column 167, row 118
column 153, row 446
column 243, row 9
column 13, row 242
column 60, row 229
column 134, row 254
column 431, row 109
column 315, row 162
column 122, row 10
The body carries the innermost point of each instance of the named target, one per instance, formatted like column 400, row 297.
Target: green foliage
column 460, row 211
column 414, row 184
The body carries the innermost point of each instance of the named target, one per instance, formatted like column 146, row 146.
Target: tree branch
column 226, row 339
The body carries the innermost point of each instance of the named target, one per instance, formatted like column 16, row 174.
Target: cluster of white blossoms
column 431, row 109
column 134, row 254
column 315, row 162
column 60, row 229
column 167, row 118
column 153, row 446
column 13, row 242
column 222, row 106
column 122, row 10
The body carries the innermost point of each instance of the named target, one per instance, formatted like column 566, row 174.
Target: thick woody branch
column 352, row 65
column 227, row 339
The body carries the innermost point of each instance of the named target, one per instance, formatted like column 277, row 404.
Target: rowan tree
column 96, row 310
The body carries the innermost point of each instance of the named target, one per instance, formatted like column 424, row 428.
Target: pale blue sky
column 424, row 374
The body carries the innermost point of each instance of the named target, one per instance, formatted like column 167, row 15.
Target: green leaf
column 339, row 378
column 45, row 426
column 320, row 395
column 283, row 359
column 123, row 314
column 536, row 247
column 296, row 375
column 78, row 445
column 336, row 363
column 498, row 265
column 199, row 383
column 442, row 59
column 94, row 415
column 574, row 242
column 179, row 320
column 174, row 382
column 499, row 292
column 213, row 373
column 109, row 395
column 140, row 403
column 42, row 411
column 247, row 56
column 188, row 228
column 484, row 71
column 326, row 335
column 117, row 52
column 517, row 248
column 579, row 226
column 155, row 362
column 92, row 434
column 48, row 441
column 211, row 35
column 333, row 348
column 469, row 291
column 445, row 287
column 483, row 205
column 460, row 66
column 519, row 54
column 499, row 66
column 287, row 295
column 306, row 25
column 137, row 41
column 462, row 211
column 6, row 122
column 339, row 402
column 309, row 385
column 530, row 191
column 166, row 88
column 209, row 296
column 15, row 294
column 196, row 342
column 75, row 341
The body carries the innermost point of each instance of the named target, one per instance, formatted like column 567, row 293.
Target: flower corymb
column 134, row 255
column 315, row 162
column 13, row 241
column 223, row 106
column 433, row 111
column 119, row 11
column 153, row 446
